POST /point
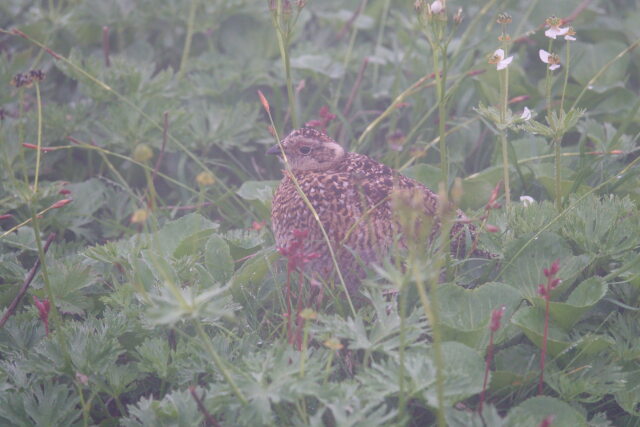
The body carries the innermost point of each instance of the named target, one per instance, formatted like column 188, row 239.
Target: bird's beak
column 275, row 150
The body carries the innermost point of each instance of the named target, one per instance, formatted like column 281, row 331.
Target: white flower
column 499, row 59
column 527, row 200
column 570, row 33
column 436, row 6
column 554, row 27
column 526, row 114
column 549, row 58
column 553, row 32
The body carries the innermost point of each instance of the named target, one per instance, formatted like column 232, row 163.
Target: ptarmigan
column 357, row 201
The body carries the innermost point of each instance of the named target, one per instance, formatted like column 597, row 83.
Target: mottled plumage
column 355, row 198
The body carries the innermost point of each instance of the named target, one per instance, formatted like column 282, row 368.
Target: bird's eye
column 305, row 150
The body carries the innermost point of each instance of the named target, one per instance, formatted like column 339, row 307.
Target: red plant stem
column 543, row 351
column 23, row 289
column 209, row 419
column 486, row 371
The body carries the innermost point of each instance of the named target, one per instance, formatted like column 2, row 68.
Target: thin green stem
column 504, row 102
column 305, row 341
column 206, row 340
column 566, row 75
column 55, row 315
column 402, row 403
column 284, row 39
column 548, row 87
column 442, row 113
column 504, row 143
column 347, row 57
column 188, row 38
column 557, row 148
column 25, row 171
column 38, row 151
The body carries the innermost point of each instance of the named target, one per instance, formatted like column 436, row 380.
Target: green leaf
column 533, row 411
column 183, row 236
column 217, row 259
column 154, row 356
column 629, row 399
column 321, row 64
column 466, row 418
column 581, row 299
column 244, row 239
column 529, row 256
column 463, row 373
column 258, row 190
column 531, row 321
column 68, row 282
column 427, row 174
column 465, row 313
column 591, row 58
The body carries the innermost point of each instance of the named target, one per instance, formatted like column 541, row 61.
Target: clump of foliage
column 139, row 282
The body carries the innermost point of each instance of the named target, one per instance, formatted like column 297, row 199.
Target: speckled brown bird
column 356, row 199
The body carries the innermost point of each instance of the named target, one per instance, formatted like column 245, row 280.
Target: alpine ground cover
column 139, row 281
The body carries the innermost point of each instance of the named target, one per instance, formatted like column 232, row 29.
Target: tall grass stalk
column 188, row 38
column 441, row 82
column 504, row 19
column 283, row 24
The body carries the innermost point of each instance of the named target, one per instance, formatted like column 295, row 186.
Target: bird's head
column 308, row 149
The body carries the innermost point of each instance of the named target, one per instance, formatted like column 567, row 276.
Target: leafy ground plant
column 139, row 280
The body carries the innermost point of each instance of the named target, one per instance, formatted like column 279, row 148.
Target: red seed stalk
column 296, row 259
column 43, row 309
column 325, row 118
column 494, row 325
column 545, row 292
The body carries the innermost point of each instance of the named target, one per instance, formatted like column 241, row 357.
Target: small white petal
column 554, row 67
column 503, row 63
column 570, row 38
column 499, row 53
column 552, row 32
column 527, row 200
column 526, row 115
column 544, row 56
column 436, row 6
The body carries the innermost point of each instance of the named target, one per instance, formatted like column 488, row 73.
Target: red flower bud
column 542, row 291
column 43, row 309
column 61, row 203
column 547, row 421
column 263, row 100
column 496, row 317
column 35, row 147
